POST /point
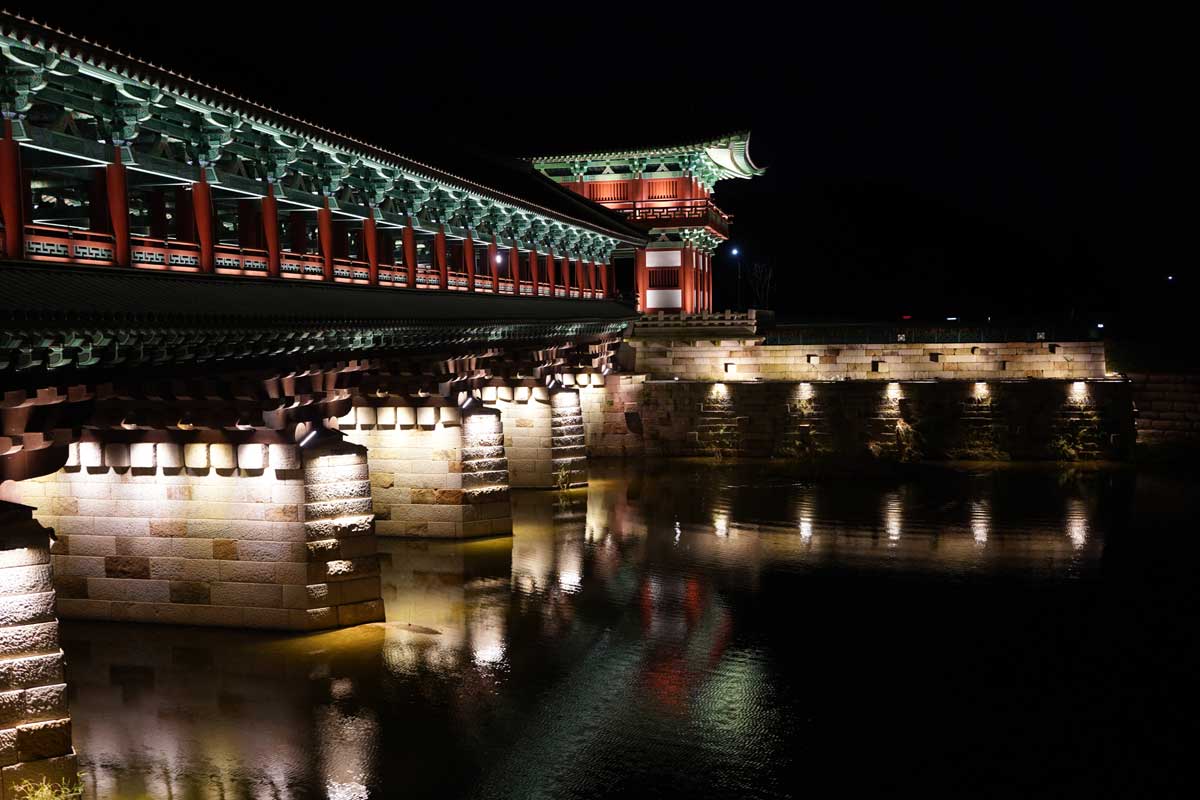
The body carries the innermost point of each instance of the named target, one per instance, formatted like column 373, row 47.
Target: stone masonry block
column 169, row 455
column 91, row 454
column 284, row 456
column 195, row 455
column 141, row 455
column 252, row 456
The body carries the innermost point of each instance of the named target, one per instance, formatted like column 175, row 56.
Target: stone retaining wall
column 747, row 359
column 1062, row 420
column 612, row 416
column 1168, row 410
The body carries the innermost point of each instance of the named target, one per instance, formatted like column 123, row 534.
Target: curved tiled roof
column 563, row 205
column 730, row 152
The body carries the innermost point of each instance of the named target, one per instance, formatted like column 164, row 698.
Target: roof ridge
column 706, row 142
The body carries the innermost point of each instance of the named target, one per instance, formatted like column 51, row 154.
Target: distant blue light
column 1099, row 324
column 951, row 319
column 735, row 252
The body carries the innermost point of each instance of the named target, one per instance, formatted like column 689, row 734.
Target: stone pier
column 436, row 470
column 212, row 533
column 35, row 724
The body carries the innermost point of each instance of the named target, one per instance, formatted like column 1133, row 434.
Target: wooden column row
column 259, row 228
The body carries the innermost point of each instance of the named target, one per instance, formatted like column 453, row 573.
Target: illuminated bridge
column 235, row 346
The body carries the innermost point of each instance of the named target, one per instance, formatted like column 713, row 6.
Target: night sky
column 958, row 164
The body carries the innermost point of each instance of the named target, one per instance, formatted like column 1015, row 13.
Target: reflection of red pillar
column 439, row 255
column 642, row 278
column 325, row 235
column 11, row 203
column 371, row 245
column 469, row 257
column 493, row 267
column 533, row 269
column 270, row 221
column 202, row 205
column 409, row 237
column 118, row 208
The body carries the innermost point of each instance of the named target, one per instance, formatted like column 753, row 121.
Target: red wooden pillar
column 325, row 235
column 270, row 225
column 118, row 208
column 686, row 282
column 603, row 278
column 709, row 279
column 469, row 257
column 566, row 271
column 408, row 238
column 642, row 278
column 439, row 256
column 708, row 282
column 12, row 203
column 371, row 246
column 493, row 253
column 533, row 269
column 202, row 206
column 550, row 276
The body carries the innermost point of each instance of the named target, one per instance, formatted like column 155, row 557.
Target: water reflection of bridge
column 618, row 597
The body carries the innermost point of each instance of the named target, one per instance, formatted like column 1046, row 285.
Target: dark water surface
column 701, row 631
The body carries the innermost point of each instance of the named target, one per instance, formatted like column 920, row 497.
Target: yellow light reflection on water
column 1077, row 522
column 893, row 515
column 980, row 521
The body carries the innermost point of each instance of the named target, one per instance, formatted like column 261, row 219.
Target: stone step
column 567, row 430
column 480, row 480
column 472, row 453
column 337, row 508
column 484, row 465
column 339, row 527
column 340, row 490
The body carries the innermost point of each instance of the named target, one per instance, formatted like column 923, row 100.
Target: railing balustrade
column 60, row 244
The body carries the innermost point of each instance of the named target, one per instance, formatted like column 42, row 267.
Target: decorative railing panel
column 664, row 277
